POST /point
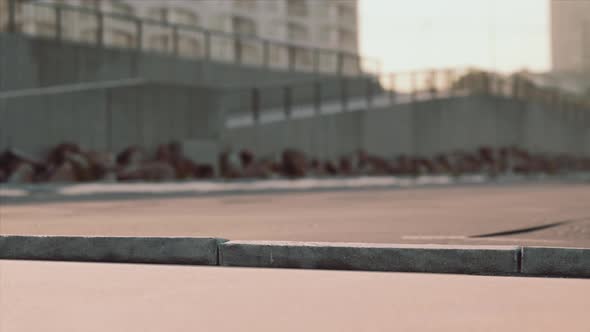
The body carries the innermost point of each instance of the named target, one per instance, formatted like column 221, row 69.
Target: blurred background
column 117, row 90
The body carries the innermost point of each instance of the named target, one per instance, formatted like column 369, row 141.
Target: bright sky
column 504, row 35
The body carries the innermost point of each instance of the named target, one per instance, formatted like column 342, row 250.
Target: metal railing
column 351, row 89
column 269, row 103
column 71, row 23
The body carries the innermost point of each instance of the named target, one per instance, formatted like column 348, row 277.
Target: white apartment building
column 570, row 36
column 326, row 24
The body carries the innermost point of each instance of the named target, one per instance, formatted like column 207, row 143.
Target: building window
column 160, row 43
column 90, row 4
column 43, row 14
column 89, row 35
column 39, row 21
column 121, row 38
column 297, row 32
column 346, row 39
column 585, row 45
column 296, row 8
column 189, row 47
column 184, row 16
column 346, row 13
column 3, row 14
column 303, row 57
column 244, row 26
column 176, row 15
column 323, row 9
column 120, row 7
column 277, row 54
column 246, row 4
column 325, row 35
column 158, row 14
column 271, row 6
column 44, row 29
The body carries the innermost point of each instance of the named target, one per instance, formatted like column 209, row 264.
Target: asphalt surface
column 53, row 296
column 537, row 214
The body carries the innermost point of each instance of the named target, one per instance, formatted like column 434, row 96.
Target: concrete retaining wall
column 28, row 62
column 327, row 136
column 443, row 125
column 111, row 119
column 547, row 130
column 423, row 128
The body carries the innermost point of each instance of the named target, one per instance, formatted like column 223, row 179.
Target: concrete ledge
column 461, row 259
column 494, row 260
column 164, row 250
column 556, row 262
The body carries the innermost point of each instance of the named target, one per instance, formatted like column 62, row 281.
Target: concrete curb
column 556, row 262
column 460, row 259
column 162, row 250
column 489, row 260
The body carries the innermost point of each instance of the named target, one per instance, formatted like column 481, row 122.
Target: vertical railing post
column 369, row 93
column 287, row 101
column 175, row 50
column 487, row 83
column 238, row 50
column 496, row 84
column 292, row 55
column 505, row 87
column 11, row 16
column 139, row 34
column 207, row 42
column 340, row 63
column 449, row 82
column 391, row 89
column 547, row 98
column 58, row 23
column 109, row 119
column 316, row 60
column 560, row 101
column 432, row 84
column 518, row 87
column 493, row 84
column 344, row 93
column 412, row 86
column 99, row 28
column 317, row 97
column 514, row 87
column 255, row 104
column 480, row 83
column 266, row 54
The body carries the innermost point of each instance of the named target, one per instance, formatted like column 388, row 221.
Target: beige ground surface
column 64, row 297
column 427, row 215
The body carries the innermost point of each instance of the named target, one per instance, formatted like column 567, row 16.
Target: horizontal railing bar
column 213, row 32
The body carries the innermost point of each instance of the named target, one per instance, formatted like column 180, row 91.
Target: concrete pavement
column 459, row 215
column 52, row 296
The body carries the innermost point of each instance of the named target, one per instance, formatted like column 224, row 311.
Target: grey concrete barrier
column 556, row 262
column 489, row 260
column 163, row 250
